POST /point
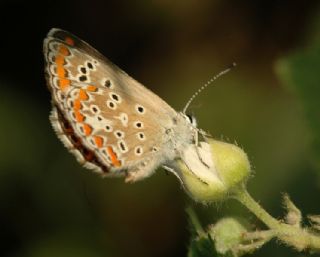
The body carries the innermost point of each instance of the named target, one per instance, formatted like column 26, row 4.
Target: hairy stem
column 245, row 198
column 298, row 237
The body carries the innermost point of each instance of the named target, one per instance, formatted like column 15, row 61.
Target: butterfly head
column 191, row 119
column 187, row 127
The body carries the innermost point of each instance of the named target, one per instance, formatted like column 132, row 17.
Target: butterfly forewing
column 107, row 119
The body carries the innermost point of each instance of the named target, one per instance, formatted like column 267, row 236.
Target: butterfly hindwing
column 107, row 119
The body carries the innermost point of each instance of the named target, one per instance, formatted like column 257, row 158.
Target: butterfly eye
column 191, row 119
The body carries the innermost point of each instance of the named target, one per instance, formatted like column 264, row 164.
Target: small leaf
column 201, row 244
column 294, row 216
column 202, row 247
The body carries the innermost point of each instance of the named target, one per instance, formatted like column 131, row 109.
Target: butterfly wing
column 109, row 121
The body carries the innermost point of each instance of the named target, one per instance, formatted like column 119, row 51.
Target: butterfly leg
column 173, row 171
column 135, row 175
column 143, row 170
column 201, row 180
column 196, row 139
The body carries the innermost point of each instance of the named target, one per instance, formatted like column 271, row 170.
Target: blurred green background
column 51, row 206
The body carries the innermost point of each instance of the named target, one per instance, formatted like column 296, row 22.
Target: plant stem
column 246, row 199
column 298, row 237
column 194, row 220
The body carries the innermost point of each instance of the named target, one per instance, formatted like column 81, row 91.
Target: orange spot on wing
column 99, row 141
column 61, row 71
column 64, row 83
column 83, row 95
column 87, row 129
column 63, row 50
column 76, row 105
column 69, row 41
column 80, row 118
column 113, row 157
column 91, row 88
column 59, row 59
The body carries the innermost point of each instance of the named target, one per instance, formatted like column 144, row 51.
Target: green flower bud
column 213, row 170
column 227, row 235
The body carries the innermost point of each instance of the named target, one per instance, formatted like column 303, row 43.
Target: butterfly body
column 109, row 121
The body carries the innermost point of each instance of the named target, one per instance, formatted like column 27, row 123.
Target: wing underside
column 109, row 121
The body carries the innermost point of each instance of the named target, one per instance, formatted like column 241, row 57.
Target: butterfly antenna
column 207, row 84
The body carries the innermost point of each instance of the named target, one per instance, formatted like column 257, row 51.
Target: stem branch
column 298, row 237
column 245, row 198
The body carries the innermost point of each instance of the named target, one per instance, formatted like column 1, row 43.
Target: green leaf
column 202, row 247
column 300, row 72
column 201, row 244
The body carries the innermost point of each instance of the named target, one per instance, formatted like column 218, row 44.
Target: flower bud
column 227, row 234
column 213, row 170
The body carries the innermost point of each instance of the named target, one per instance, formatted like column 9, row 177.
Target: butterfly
column 110, row 122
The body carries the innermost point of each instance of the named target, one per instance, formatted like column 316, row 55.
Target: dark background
column 50, row 206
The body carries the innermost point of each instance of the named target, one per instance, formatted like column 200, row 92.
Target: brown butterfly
column 109, row 121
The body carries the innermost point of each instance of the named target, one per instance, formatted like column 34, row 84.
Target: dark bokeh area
column 51, row 206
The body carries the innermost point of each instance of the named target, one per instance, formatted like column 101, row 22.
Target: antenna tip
column 233, row 65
